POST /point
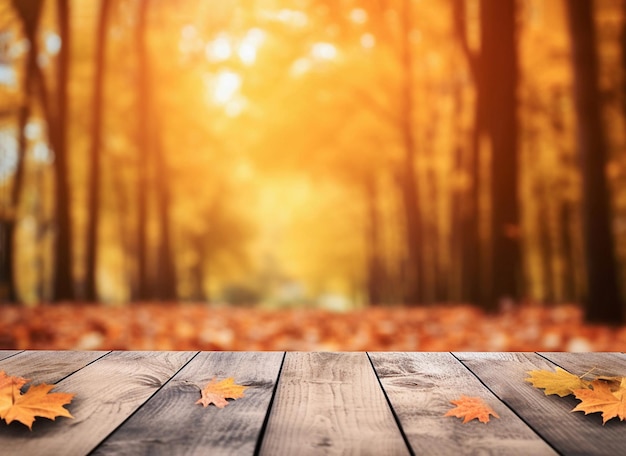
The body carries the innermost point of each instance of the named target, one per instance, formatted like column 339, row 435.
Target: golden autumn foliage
column 36, row 401
column 216, row 392
column 470, row 408
column 275, row 116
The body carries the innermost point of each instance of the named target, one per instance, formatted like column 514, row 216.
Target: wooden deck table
column 301, row 403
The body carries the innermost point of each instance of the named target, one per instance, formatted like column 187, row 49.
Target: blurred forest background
column 422, row 168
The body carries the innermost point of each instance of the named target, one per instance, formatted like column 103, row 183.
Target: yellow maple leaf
column 37, row 401
column 217, row 392
column 603, row 399
column 560, row 382
column 470, row 408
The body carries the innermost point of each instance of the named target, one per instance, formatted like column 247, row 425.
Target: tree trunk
column 623, row 55
column 569, row 276
column 93, row 206
column 602, row 303
column 29, row 13
column 143, row 141
column 63, row 283
column 166, row 267
column 499, row 83
column 375, row 272
column 468, row 221
column 413, row 276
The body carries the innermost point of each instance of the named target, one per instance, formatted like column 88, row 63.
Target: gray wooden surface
column 143, row 403
column 420, row 387
column 330, row 403
column 7, row 353
column 43, row 366
column 171, row 423
column 106, row 393
column 551, row 416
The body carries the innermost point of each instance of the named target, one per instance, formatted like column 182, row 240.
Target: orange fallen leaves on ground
column 216, row 393
column 470, row 408
column 36, row 401
column 602, row 397
column 186, row 326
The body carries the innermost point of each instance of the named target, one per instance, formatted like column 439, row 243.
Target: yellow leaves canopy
column 217, row 392
column 37, row 401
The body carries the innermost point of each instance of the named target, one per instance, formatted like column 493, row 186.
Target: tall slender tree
column 63, row 282
column 603, row 303
column 97, row 106
column 375, row 275
column 414, row 283
column 166, row 269
column 499, row 78
column 472, row 269
column 153, row 159
column 494, row 70
column 29, row 12
column 142, row 288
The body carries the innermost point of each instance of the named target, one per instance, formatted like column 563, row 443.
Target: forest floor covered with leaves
column 202, row 327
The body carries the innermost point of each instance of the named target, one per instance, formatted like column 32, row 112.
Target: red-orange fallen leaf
column 37, row 401
column 603, row 399
column 470, row 408
column 217, row 392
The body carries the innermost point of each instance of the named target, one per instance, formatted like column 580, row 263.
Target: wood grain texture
column 550, row 416
column 330, row 403
column 7, row 353
column 106, row 393
column 420, row 387
column 610, row 364
column 46, row 366
column 172, row 424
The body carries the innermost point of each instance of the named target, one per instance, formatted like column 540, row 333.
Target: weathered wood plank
column 611, row 364
column 7, row 353
column 47, row 366
column 330, row 403
column 106, row 393
column 550, row 416
column 420, row 387
column 170, row 423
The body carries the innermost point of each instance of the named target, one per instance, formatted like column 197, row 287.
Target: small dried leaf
column 470, row 408
column 216, row 393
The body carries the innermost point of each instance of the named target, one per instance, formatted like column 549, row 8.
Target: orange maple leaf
column 9, row 391
column 37, row 401
column 603, row 399
column 217, row 392
column 470, row 408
